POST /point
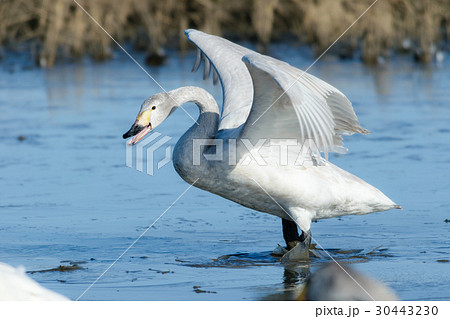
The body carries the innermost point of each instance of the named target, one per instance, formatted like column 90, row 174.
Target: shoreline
column 61, row 29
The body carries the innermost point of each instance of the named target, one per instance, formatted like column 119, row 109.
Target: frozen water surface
column 67, row 198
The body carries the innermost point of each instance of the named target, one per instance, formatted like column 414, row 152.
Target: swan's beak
column 138, row 132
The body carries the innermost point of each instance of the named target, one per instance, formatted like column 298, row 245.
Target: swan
column 338, row 282
column 264, row 150
column 15, row 285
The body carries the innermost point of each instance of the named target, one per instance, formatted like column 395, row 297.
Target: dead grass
column 59, row 28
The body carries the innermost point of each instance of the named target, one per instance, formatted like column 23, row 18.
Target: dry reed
column 59, row 28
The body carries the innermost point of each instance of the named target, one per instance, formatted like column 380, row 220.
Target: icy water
column 67, row 197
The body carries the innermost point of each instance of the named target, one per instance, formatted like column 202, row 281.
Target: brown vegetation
column 54, row 28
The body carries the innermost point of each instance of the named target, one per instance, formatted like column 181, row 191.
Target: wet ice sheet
column 67, row 197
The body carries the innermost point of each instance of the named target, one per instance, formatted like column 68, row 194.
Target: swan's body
column 307, row 192
column 15, row 285
column 256, row 169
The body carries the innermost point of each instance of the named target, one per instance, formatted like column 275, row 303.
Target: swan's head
column 153, row 112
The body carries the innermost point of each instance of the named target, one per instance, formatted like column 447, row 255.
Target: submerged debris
column 59, row 268
column 73, row 262
column 181, row 261
column 162, row 272
column 317, row 256
column 201, row 291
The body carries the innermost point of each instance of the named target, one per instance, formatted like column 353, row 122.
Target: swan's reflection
column 332, row 281
column 297, row 273
column 294, row 277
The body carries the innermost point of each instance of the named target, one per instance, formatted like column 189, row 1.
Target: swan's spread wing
column 225, row 59
column 304, row 107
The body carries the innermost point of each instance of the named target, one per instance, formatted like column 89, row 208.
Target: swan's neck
column 205, row 127
column 208, row 121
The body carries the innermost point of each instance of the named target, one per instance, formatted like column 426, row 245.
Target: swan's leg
column 300, row 250
column 290, row 233
column 291, row 236
column 303, row 219
column 305, row 238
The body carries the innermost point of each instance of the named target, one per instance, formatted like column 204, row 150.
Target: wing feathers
column 215, row 76
column 225, row 58
column 323, row 112
column 198, row 60
column 207, row 68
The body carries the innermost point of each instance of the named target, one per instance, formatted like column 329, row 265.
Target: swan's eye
column 153, row 107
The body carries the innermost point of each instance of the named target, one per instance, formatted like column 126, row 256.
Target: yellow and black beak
column 135, row 129
column 139, row 129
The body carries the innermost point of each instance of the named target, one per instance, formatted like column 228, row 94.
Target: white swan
column 262, row 132
column 15, row 285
